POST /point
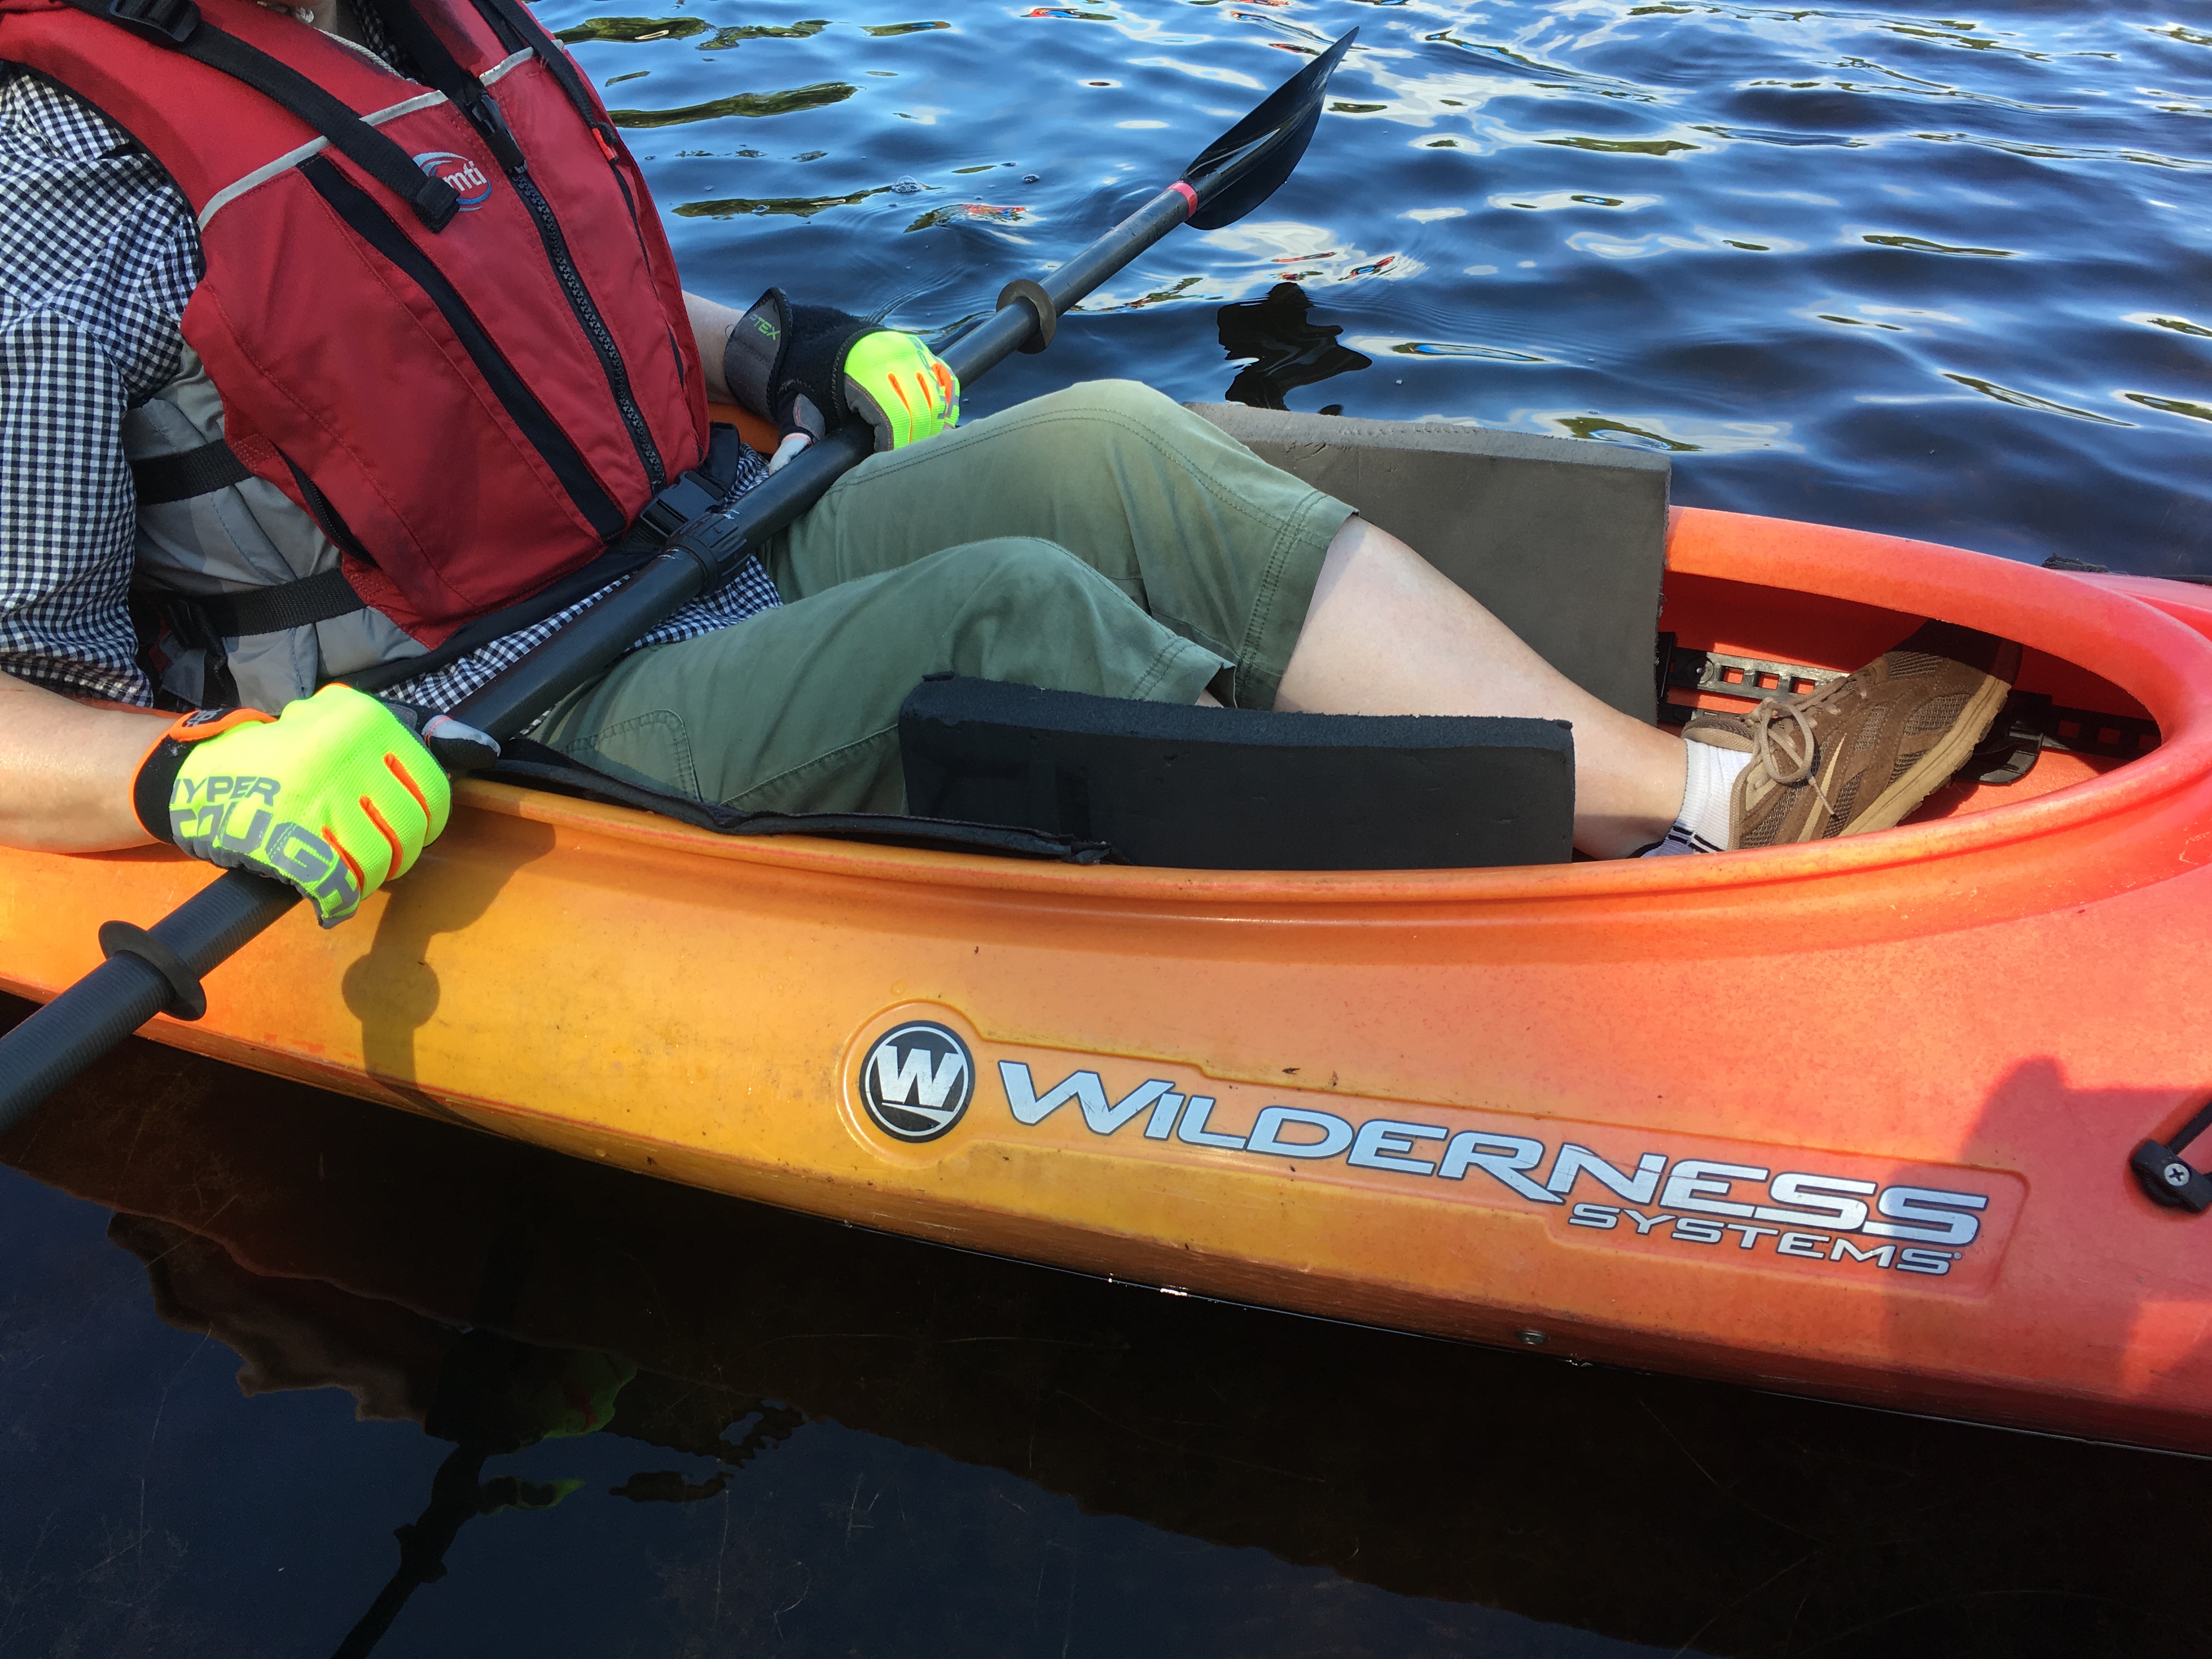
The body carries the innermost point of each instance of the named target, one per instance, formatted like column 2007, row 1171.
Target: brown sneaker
column 1862, row 751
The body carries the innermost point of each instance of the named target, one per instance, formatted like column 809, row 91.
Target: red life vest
column 442, row 317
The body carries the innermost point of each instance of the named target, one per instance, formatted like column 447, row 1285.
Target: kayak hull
column 1851, row 1120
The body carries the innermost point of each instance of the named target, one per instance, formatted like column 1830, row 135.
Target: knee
column 1127, row 399
column 1032, row 613
column 1096, row 420
column 1113, row 409
column 1016, row 572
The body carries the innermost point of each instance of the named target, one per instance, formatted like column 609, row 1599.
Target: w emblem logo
column 917, row 1081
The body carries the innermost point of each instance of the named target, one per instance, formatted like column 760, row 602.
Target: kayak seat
column 1204, row 788
column 1563, row 539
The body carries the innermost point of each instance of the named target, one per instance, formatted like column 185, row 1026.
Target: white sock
column 1702, row 824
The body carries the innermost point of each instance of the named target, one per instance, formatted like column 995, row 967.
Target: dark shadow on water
column 1287, row 348
column 337, row 1245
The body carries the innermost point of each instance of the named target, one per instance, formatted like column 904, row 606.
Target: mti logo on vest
column 465, row 177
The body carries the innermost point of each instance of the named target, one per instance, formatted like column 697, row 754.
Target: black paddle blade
column 1243, row 167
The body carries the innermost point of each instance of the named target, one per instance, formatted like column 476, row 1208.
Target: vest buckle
column 167, row 23
column 690, row 497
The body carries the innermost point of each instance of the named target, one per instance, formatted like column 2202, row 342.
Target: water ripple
column 1931, row 275
column 751, row 104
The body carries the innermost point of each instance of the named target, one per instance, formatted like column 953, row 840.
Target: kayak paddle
column 152, row 970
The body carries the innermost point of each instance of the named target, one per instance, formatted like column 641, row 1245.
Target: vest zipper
column 483, row 112
column 595, row 327
column 369, row 221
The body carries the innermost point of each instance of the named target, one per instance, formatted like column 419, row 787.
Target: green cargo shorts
column 1100, row 539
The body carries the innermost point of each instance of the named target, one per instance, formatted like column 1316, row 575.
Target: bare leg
column 1388, row 634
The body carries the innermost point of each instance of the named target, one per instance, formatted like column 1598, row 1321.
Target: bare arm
column 66, row 770
column 711, row 323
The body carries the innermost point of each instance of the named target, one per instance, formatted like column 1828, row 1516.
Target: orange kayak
column 1852, row 1119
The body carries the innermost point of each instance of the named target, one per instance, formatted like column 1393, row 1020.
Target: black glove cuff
column 752, row 357
column 155, row 782
column 787, row 361
column 150, row 791
column 815, row 368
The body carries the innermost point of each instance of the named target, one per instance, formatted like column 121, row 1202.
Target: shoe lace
column 1774, row 747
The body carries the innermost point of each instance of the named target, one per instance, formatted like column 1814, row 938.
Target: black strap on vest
column 516, row 28
column 443, row 71
column 189, row 472
column 288, row 604
column 206, row 620
column 177, row 24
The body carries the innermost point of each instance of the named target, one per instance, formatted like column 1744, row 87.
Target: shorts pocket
column 653, row 749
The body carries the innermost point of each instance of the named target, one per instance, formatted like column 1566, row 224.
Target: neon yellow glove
column 334, row 798
column 807, row 368
column 904, row 389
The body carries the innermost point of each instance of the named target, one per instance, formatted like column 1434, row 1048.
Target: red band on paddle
column 1186, row 192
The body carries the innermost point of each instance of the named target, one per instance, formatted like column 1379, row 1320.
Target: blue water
column 1941, row 275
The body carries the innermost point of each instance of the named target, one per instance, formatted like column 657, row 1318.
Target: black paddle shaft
column 159, row 968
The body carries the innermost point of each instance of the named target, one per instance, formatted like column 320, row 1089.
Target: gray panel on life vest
column 250, row 535
column 1563, row 539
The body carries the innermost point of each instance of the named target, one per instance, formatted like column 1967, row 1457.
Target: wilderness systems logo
column 1782, row 1208
column 917, row 1080
column 465, row 177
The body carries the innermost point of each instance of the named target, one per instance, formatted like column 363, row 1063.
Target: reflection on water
column 1287, row 350
column 1896, row 272
column 803, row 207
column 609, row 1416
column 750, row 105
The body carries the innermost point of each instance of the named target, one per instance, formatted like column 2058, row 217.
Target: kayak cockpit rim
column 2163, row 663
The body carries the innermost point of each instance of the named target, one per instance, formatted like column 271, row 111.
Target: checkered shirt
column 98, row 255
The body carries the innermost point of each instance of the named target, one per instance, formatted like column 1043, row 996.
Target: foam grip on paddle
column 120, row 995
